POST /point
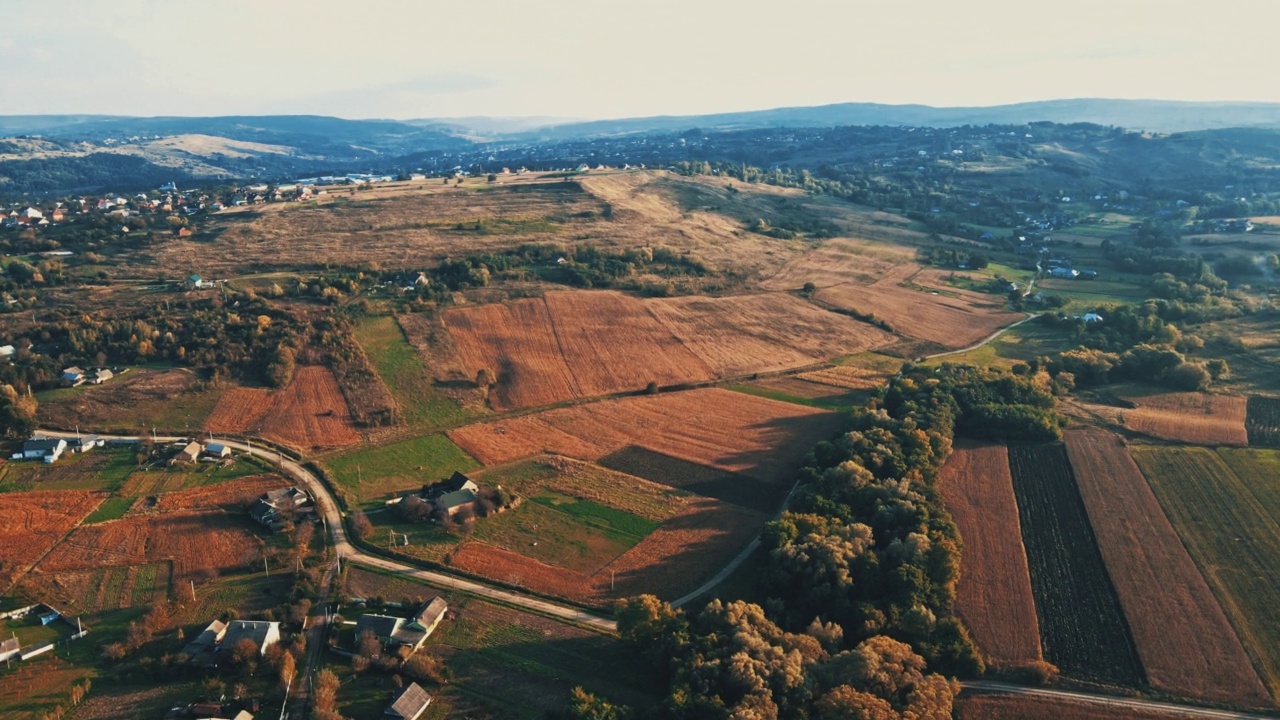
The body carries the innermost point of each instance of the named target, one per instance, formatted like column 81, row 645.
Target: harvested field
column 569, row 345
column 113, row 703
column 1022, row 707
column 1199, row 418
column 848, row 377
column 1184, row 639
column 310, row 413
column 229, row 495
column 915, row 304
column 749, row 334
column 646, row 499
column 1082, row 626
column 1262, row 421
column 197, row 543
column 34, row 522
column 839, row 261
column 993, row 596
column 1225, row 514
column 165, row 399
column 734, row 432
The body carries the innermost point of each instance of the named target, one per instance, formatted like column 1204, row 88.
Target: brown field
column 848, row 377
column 672, row 560
column 841, row 261
column 801, row 388
column 310, row 413
column 1183, row 637
column 569, row 345
column 1199, row 418
column 1014, row 707
column 230, row 495
column 916, row 303
column 747, row 334
column 33, row 522
column 993, row 596
column 196, row 543
column 731, row 431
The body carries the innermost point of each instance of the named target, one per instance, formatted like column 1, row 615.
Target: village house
column 411, row 632
column 188, row 454
column 39, row 448
column 84, row 443
column 73, row 375
column 272, row 508
column 263, row 633
column 195, row 282
column 409, row 703
column 207, row 641
column 101, row 376
column 217, row 450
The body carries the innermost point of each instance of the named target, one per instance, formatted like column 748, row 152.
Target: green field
column 375, row 473
column 406, row 375
column 551, row 528
column 586, row 481
column 1222, row 505
column 113, row 508
column 98, row 469
column 1023, row 343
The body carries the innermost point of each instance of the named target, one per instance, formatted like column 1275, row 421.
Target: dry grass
column 993, row 596
column 168, row 399
column 1182, row 634
column 727, row 430
column 916, row 303
column 569, row 345
column 310, row 413
column 748, row 334
column 1198, row 418
column 841, row 261
column 848, row 377
column 33, row 522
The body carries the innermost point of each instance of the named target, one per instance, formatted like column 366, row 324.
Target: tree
column 288, row 669
column 17, row 413
column 586, row 706
column 360, row 525
column 244, row 654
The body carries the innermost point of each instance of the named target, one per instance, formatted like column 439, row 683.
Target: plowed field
column 1186, row 643
column 915, row 305
column 1022, row 707
column 1198, row 418
column 195, row 542
column 569, row 345
column 748, row 334
column 731, row 431
column 993, row 596
column 310, row 413
column 1082, row 625
column 33, row 522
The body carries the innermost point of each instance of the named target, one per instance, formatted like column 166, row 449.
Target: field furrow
column 1082, row 627
column 1232, row 535
column 993, row 596
column 1186, row 643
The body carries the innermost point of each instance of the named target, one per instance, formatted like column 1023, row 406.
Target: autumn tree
column 17, row 413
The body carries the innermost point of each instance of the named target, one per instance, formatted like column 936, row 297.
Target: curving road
column 347, row 552
column 329, row 510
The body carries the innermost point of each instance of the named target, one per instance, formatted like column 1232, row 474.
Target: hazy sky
column 611, row 58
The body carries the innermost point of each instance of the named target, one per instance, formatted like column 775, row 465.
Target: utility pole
column 265, row 570
column 193, row 591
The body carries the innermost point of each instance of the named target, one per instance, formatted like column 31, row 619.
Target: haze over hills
column 60, row 153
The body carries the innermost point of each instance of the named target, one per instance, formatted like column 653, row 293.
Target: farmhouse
column 195, row 282
column 84, row 444
column 73, row 375
column 409, row 703
column 217, row 450
column 207, row 641
column 188, row 454
column 264, row 634
column 271, row 508
column 404, row 632
column 102, row 376
column 48, row 449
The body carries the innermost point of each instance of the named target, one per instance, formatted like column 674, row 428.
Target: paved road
column 329, row 510
column 1173, row 710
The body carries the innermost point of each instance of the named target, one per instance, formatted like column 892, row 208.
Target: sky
column 579, row 59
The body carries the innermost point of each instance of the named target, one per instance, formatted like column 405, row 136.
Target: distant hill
column 1165, row 116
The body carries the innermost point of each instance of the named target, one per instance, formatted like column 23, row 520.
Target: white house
column 50, row 449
